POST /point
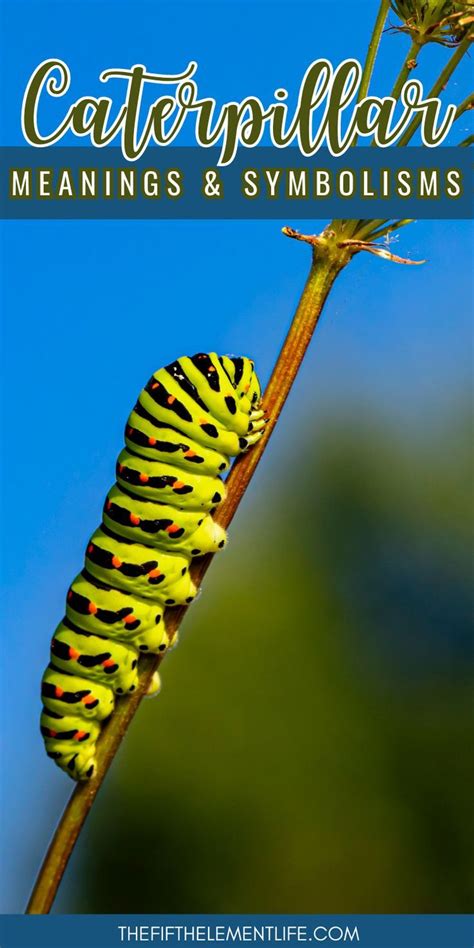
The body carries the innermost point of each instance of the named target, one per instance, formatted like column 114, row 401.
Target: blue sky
column 92, row 308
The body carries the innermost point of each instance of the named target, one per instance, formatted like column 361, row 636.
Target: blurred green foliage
column 309, row 751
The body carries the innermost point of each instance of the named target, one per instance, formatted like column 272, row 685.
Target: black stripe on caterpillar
column 190, row 419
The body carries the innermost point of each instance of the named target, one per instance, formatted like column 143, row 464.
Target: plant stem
column 410, row 59
column 328, row 261
column 407, row 67
column 372, row 49
column 466, row 106
column 438, row 87
column 371, row 54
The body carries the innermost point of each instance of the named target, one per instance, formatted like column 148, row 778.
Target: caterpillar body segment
column 137, row 569
column 160, row 442
column 80, row 765
column 160, row 525
column 69, row 694
column 95, row 658
column 65, row 729
column 154, row 481
column 111, row 612
column 202, row 428
column 70, row 739
column 189, row 420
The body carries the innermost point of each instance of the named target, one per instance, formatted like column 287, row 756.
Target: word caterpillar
column 189, row 420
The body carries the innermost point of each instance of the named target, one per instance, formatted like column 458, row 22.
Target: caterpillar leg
column 154, row 687
column 208, row 538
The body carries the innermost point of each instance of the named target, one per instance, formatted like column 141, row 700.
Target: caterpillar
column 189, row 420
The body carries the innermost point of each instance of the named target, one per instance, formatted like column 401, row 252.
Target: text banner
column 264, row 183
column 111, row 931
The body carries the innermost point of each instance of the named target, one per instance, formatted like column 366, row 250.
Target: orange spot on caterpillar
column 79, row 735
column 90, row 548
column 129, row 431
column 116, row 562
column 88, row 699
column 108, row 505
column 73, row 653
column 134, row 519
column 203, row 421
column 120, row 468
column 69, row 595
column 155, row 385
column 154, row 573
column 129, row 619
column 92, row 608
column 173, row 528
column 152, row 441
column 144, row 478
column 212, row 368
column 178, row 485
column 171, row 399
column 58, row 692
column 190, row 454
column 108, row 662
column 52, row 733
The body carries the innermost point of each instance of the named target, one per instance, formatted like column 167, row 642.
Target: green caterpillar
column 189, row 420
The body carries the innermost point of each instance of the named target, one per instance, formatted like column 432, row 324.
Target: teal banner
column 111, row 931
column 183, row 183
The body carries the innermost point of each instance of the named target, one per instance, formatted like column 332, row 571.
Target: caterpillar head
column 246, row 382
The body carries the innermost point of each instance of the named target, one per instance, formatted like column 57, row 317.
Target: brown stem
column 328, row 261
